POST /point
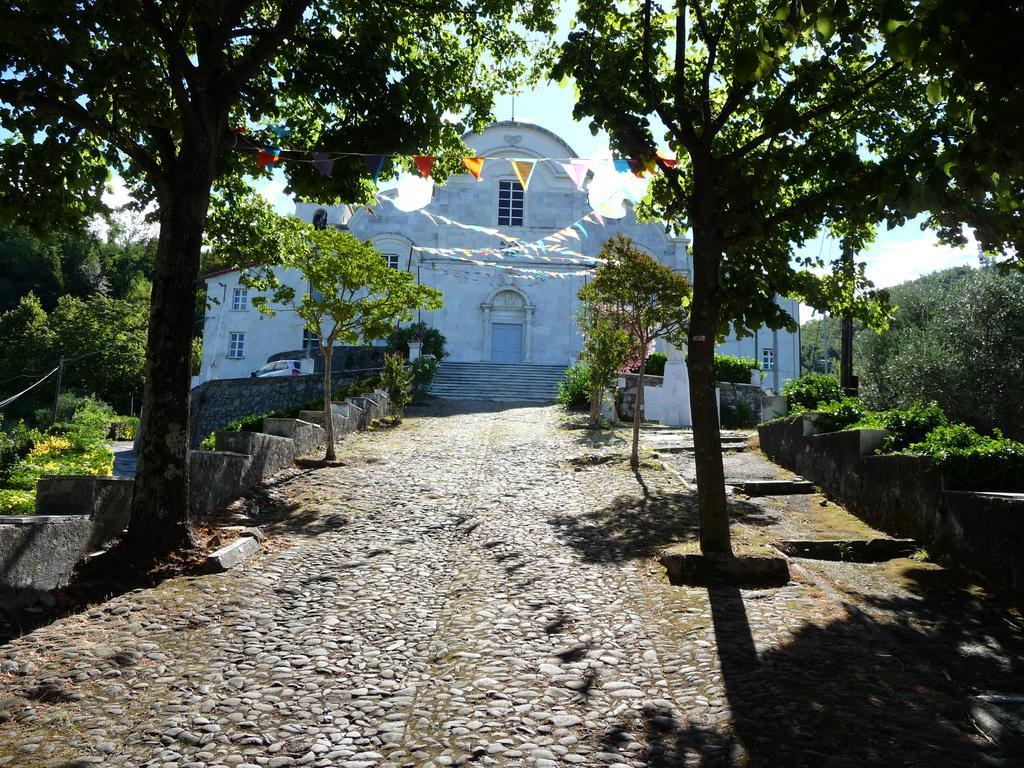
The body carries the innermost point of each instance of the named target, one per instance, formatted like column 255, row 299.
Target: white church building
column 502, row 304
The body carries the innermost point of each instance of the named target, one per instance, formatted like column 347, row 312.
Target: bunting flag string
column 549, row 248
column 576, row 168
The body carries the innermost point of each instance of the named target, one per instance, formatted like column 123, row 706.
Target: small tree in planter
column 353, row 295
column 606, row 344
column 396, row 381
column 650, row 302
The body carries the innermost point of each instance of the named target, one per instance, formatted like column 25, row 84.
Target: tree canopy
column 784, row 118
column 177, row 96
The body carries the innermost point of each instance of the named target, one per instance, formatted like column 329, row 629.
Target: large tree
column 785, row 117
column 170, row 94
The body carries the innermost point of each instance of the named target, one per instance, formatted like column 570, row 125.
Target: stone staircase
column 505, row 382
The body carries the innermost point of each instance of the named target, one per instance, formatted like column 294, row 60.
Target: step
column 771, row 487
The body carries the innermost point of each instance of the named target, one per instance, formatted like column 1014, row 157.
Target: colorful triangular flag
column 474, row 165
column 597, row 217
column 323, row 163
column 666, row 161
column 425, row 164
column 375, row 164
column 268, row 156
column 577, row 171
column 524, row 170
column 621, row 165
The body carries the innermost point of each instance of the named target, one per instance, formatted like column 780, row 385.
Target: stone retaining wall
column 729, row 394
column 77, row 515
column 218, row 402
column 904, row 496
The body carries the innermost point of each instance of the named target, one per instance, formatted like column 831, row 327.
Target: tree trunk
column 596, row 396
column 707, row 439
column 328, row 352
column 161, row 519
column 634, row 458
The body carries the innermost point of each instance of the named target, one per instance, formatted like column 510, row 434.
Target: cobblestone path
column 473, row 589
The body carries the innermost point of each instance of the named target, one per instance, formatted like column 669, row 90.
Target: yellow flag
column 524, row 170
column 474, row 165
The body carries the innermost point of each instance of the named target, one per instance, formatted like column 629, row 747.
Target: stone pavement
column 476, row 588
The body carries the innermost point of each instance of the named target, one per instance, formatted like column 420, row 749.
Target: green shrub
column 16, row 440
column 738, row 416
column 423, row 370
column 734, row 369
column 574, row 388
column 123, row 427
column 208, row 443
column 433, row 340
column 396, row 381
column 14, row 502
column 811, row 390
column 841, row 414
column 655, row 365
column 971, row 461
column 911, row 425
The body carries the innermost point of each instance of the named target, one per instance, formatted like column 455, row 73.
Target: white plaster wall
column 552, row 202
column 264, row 335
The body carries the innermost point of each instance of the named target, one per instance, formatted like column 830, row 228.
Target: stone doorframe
column 513, row 307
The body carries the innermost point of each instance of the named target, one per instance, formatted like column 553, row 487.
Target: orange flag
column 474, row 165
column 524, row 170
column 425, row 163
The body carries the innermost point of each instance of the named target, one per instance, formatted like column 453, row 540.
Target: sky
column 895, row 257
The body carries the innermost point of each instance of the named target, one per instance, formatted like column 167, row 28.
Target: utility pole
column 56, row 395
column 846, row 378
column 824, row 325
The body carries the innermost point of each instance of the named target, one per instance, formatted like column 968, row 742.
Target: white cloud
column 273, row 193
column 117, row 194
column 897, row 261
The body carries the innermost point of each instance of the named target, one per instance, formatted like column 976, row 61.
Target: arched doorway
column 508, row 317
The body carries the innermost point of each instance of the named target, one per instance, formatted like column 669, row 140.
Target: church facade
column 501, row 304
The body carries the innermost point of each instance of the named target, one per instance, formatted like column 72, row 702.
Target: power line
column 9, row 400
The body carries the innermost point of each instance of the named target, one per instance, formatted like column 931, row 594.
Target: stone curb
column 233, row 554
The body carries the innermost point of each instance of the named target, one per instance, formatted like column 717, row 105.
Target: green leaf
column 745, row 65
column 935, row 91
column 825, row 25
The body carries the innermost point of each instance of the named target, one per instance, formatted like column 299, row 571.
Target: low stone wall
column 732, row 394
column 625, row 392
column 218, row 402
column 39, row 552
column 729, row 394
column 904, row 496
column 307, row 435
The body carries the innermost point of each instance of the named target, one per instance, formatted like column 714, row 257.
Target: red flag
column 425, row 163
column 267, row 157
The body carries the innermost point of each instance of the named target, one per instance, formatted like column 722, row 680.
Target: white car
column 278, row 368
